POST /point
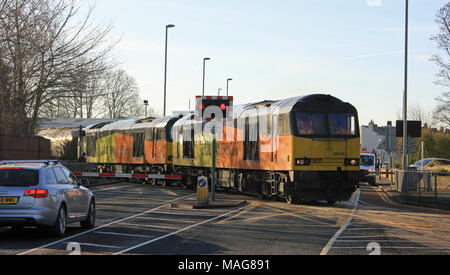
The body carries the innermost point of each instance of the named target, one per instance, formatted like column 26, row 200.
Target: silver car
column 43, row 193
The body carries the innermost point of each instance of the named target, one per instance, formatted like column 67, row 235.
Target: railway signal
column 213, row 110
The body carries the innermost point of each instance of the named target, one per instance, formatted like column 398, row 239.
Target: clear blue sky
column 274, row 49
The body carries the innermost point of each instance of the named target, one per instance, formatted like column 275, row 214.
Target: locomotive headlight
column 351, row 162
column 303, row 162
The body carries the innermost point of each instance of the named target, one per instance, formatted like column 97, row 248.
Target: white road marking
column 111, row 188
column 123, row 234
column 97, row 245
column 103, row 226
column 186, row 214
column 162, row 219
column 378, row 241
column 362, row 228
column 179, row 231
column 169, row 192
column 149, row 226
column 360, row 237
column 394, row 247
column 326, row 249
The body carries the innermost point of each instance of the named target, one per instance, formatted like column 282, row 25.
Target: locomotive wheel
column 260, row 194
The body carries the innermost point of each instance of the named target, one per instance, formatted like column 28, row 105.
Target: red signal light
column 223, row 107
column 202, row 106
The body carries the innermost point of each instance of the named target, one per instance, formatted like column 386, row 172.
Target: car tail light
column 36, row 193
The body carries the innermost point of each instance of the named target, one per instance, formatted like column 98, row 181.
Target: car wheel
column 90, row 220
column 59, row 228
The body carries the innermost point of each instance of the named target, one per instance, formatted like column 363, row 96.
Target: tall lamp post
column 204, row 61
column 405, row 95
column 165, row 67
column 228, row 81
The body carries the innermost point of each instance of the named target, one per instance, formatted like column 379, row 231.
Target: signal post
column 212, row 110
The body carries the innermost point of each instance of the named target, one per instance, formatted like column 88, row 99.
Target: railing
column 422, row 183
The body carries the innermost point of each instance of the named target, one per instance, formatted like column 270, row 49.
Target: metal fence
column 422, row 183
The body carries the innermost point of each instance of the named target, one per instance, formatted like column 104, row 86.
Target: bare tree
column 82, row 95
column 418, row 113
column 442, row 112
column 122, row 95
column 44, row 44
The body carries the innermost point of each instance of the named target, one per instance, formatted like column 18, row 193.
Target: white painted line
column 186, row 214
column 364, row 228
column 111, row 188
column 395, row 247
column 123, row 234
column 103, row 226
column 359, row 237
column 179, row 231
column 163, row 219
column 97, row 245
column 360, row 201
column 326, row 249
column 150, row 226
column 169, row 192
column 369, row 241
column 382, row 195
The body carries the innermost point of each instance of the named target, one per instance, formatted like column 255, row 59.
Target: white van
column 368, row 165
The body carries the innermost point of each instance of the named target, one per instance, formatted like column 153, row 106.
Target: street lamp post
column 228, row 81
column 405, row 95
column 204, row 60
column 165, row 67
column 218, row 92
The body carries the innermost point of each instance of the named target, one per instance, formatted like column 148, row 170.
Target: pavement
column 423, row 199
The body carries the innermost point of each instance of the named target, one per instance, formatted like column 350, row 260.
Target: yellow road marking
column 294, row 214
column 245, row 211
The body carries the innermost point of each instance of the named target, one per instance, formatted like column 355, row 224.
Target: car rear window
column 18, row 177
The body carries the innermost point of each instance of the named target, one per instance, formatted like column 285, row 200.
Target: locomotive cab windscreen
column 324, row 116
column 326, row 124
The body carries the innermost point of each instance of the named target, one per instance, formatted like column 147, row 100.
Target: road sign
column 202, row 191
column 414, row 129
